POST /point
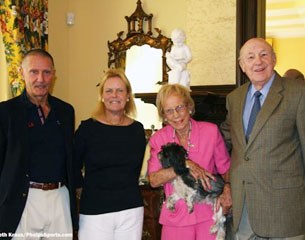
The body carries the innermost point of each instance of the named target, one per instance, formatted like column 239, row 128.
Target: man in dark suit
column 268, row 165
column 36, row 137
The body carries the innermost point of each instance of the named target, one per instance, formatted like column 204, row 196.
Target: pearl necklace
column 188, row 139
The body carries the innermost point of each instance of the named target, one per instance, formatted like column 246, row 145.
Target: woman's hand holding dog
column 158, row 178
column 225, row 200
column 200, row 173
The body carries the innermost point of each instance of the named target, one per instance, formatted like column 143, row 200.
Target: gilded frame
column 136, row 36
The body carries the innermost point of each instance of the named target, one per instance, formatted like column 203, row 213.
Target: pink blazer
column 207, row 149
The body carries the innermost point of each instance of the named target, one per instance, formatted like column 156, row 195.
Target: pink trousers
column 200, row 231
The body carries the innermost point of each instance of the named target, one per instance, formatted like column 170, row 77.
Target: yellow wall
column 290, row 54
column 80, row 51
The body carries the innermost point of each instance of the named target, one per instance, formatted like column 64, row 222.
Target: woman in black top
column 110, row 146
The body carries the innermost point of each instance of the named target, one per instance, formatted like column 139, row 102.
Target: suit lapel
column 272, row 101
column 239, row 122
column 20, row 123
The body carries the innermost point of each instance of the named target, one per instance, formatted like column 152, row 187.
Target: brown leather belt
column 46, row 186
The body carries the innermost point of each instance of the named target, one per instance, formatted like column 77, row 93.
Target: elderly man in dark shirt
column 36, row 136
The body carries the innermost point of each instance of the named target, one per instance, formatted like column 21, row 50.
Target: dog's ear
column 163, row 156
column 178, row 159
column 173, row 155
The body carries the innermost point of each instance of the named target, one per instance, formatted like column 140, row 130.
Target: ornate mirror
column 140, row 53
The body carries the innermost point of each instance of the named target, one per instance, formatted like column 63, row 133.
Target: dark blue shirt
column 47, row 145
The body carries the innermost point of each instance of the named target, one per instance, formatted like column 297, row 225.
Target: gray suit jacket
column 268, row 173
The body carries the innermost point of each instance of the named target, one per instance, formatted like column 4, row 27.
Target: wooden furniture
column 210, row 102
column 152, row 198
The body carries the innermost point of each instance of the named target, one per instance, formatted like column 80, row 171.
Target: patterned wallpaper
column 211, row 35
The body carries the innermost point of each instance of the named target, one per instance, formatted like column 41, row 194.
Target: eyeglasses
column 178, row 109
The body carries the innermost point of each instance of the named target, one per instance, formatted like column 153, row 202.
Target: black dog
column 188, row 188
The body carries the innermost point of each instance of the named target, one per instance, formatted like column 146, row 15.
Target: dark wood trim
column 250, row 22
column 246, row 28
column 147, row 97
column 213, row 89
column 210, row 101
column 197, row 91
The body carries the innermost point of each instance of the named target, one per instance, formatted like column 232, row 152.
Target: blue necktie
column 255, row 109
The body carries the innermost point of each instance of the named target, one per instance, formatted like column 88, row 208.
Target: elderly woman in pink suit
column 207, row 155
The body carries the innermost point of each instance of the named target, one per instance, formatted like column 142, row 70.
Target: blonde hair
column 176, row 90
column 130, row 107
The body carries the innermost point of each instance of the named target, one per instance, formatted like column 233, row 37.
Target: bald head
column 257, row 60
column 294, row 73
column 252, row 43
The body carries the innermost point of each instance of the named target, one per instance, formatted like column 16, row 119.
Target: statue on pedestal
column 178, row 58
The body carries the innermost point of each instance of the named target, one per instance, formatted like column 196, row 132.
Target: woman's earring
column 102, row 99
column 127, row 99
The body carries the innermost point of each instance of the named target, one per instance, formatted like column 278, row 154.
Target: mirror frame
column 136, row 36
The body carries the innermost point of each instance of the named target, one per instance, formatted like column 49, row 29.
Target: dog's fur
column 188, row 188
